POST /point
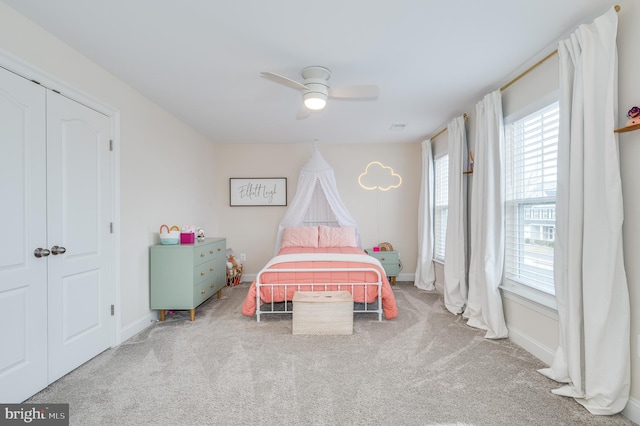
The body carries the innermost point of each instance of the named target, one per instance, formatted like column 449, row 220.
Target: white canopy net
column 317, row 201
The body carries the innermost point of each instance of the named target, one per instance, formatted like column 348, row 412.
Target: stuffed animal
column 634, row 116
column 234, row 270
column 231, row 262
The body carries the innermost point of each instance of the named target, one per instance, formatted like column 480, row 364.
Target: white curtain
column 593, row 356
column 425, row 272
column 455, row 258
column 487, row 233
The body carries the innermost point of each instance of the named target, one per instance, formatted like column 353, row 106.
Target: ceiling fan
column 316, row 90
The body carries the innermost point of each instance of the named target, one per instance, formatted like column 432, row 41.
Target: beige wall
column 162, row 176
column 628, row 96
column 381, row 216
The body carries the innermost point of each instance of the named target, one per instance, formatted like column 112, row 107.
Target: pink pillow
column 303, row 236
column 337, row 237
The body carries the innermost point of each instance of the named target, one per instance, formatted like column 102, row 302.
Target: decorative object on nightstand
column 385, row 246
column 390, row 260
column 184, row 276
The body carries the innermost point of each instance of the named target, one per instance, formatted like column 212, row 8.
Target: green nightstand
column 390, row 261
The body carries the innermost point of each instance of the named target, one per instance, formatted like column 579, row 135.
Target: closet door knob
column 58, row 250
column 40, row 252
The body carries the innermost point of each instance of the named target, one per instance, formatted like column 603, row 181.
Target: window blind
column 531, row 174
column 441, row 204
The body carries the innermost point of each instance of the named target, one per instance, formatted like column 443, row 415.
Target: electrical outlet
column 243, row 257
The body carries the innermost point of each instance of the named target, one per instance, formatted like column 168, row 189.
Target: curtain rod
column 537, row 64
column 445, row 129
column 525, row 72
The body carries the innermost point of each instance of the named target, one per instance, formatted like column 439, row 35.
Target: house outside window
column 531, row 174
column 441, row 205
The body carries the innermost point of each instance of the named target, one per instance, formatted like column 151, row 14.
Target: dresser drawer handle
column 382, row 258
column 211, row 286
column 210, row 251
column 202, row 273
column 211, row 269
column 201, row 254
column 202, row 292
column 219, row 249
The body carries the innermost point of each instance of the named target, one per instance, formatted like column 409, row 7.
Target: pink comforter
column 388, row 299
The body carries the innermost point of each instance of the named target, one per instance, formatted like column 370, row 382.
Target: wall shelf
column 627, row 129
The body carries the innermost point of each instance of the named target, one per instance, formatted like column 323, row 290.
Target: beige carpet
column 425, row 367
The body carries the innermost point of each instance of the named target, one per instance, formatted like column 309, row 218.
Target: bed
column 320, row 259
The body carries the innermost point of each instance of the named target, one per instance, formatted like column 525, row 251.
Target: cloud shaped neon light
column 379, row 176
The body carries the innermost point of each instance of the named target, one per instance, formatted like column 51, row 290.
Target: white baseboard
column 137, row 326
column 535, row 348
column 406, row 277
column 632, row 410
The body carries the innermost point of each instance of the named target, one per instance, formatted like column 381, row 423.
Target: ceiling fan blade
column 303, row 113
column 283, row 80
column 354, row 92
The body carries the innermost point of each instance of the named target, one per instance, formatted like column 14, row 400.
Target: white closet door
column 79, row 203
column 23, row 277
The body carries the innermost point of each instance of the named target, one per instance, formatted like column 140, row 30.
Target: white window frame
column 441, row 200
column 514, row 288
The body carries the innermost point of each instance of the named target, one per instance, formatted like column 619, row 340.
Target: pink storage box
column 188, row 238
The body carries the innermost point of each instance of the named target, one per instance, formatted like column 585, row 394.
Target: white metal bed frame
column 288, row 304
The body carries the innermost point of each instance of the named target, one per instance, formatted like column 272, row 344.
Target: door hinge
column 110, row 144
column 113, row 310
column 111, row 227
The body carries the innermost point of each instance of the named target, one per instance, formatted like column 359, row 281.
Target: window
column 531, row 161
column 441, row 206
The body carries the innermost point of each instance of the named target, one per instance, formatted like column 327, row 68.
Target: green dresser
column 185, row 275
column 390, row 262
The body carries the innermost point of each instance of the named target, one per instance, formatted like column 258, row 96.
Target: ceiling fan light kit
column 315, row 87
column 315, row 101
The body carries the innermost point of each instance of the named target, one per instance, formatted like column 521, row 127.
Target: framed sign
column 257, row 192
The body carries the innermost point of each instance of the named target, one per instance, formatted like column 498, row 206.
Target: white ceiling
column 201, row 59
